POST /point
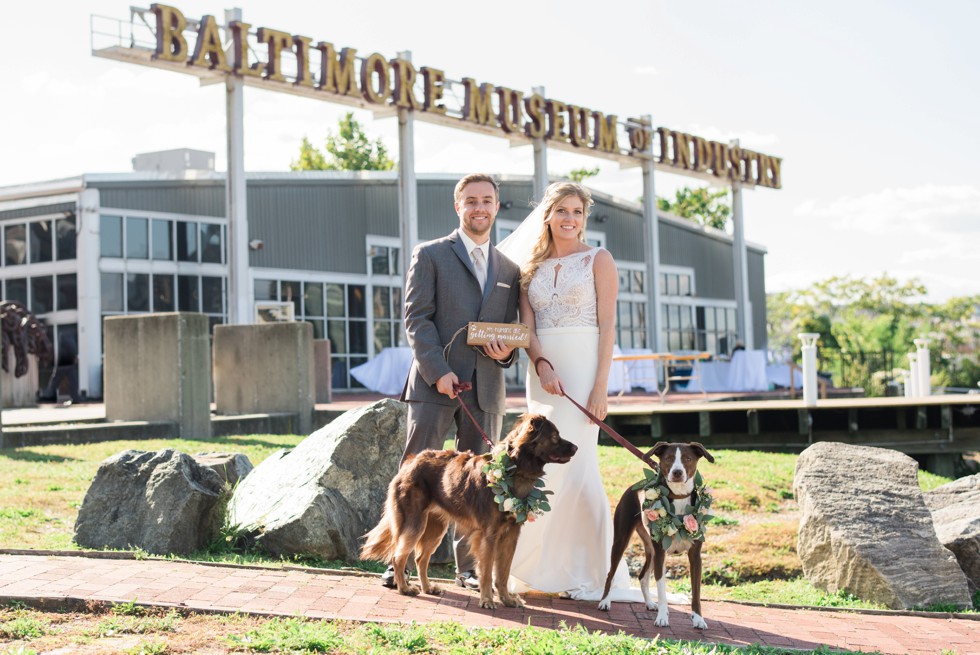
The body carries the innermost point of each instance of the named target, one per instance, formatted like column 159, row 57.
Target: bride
column 568, row 300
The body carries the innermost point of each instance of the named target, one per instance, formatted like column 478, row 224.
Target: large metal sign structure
column 238, row 55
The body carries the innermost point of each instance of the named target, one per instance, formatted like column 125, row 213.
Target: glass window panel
column 625, row 339
column 637, row 282
column 335, row 300
column 623, row 314
column 317, row 327
column 379, row 261
column 711, row 343
column 188, row 297
column 337, row 333
column 212, row 321
column 112, row 292
column 685, row 317
column 395, row 266
column 624, row 280
column 396, row 302
column 674, row 340
column 358, row 336
column 186, row 241
column 41, row 241
column 338, row 372
column 673, row 316
column 211, row 243
column 312, row 299
column 110, row 228
column 65, row 236
column 382, row 335
column 639, row 318
column 137, row 238
column 163, row 240
column 212, row 295
column 356, row 361
column 399, row 337
column 687, row 340
column 663, row 284
column 356, row 305
column 709, row 319
column 164, row 299
column 15, row 237
column 67, row 292
column 685, row 285
column 42, row 294
column 266, row 290
column 672, row 285
column 138, row 292
column 640, row 339
column 290, row 292
column 730, row 320
column 382, row 302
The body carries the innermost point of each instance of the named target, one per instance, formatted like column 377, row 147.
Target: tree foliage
column 581, row 174
column 702, row 206
column 863, row 315
column 349, row 149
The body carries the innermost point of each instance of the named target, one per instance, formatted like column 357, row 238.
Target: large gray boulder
column 864, row 528
column 320, row 497
column 955, row 511
column 231, row 467
column 163, row 502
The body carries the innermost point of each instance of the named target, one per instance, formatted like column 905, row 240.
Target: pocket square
column 501, row 284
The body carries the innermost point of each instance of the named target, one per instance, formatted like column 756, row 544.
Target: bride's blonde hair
column 554, row 195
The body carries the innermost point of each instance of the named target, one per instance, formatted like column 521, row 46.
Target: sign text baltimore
column 380, row 81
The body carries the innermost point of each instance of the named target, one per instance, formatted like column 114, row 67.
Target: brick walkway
column 58, row 579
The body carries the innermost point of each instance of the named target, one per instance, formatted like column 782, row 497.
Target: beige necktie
column 480, row 264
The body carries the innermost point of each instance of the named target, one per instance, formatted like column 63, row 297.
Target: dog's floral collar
column 500, row 479
column 662, row 519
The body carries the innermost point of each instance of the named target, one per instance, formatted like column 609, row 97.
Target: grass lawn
column 750, row 553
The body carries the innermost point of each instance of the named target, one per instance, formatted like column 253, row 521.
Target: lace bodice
column 562, row 291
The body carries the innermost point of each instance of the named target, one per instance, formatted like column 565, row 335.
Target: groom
column 452, row 281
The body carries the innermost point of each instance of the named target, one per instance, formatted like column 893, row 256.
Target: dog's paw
column 410, row 590
column 512, row 601
column 651, row 606
column 488, row 604
column 662, row 620
column 434, row 590
column 698, row 622
column 605, row 604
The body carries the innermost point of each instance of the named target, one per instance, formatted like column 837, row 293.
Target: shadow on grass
column 28, row 456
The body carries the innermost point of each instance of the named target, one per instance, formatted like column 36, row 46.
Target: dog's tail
column 379, row 543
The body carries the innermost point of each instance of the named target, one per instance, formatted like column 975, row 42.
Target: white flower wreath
column 500, row 479
column 661, row 517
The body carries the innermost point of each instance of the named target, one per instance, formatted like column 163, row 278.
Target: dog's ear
column 702, row 451
column 535, row 422
column 658, row 449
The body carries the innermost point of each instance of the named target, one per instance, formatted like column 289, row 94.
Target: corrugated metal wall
column 757, row 296
column 709, row 256
column 28, row 212
column 201, row 198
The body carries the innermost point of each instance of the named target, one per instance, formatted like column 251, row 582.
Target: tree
column 581, row 174
column 880, row 314
column 702, row 206
column 349, row 150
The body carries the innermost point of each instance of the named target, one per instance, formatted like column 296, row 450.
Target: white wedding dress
column 567, row 550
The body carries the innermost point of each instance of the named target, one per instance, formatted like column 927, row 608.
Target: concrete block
column 158, row 368
column 324, row 381
column 265, row 368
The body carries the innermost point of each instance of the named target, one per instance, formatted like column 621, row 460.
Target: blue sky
column 872, row 105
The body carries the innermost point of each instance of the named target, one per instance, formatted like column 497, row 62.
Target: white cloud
column 931, row 210
column 646, row 70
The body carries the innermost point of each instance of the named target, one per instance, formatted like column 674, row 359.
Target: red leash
column 466, row 386
column 620, row 439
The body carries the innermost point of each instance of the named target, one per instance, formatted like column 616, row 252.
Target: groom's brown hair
column 475, row 177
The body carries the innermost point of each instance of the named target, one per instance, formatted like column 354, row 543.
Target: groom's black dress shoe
column 468, row 580
column 388, row 577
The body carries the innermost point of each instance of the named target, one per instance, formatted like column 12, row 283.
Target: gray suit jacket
column 442, row 295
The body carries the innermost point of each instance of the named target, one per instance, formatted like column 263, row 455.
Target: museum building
column 324, row 247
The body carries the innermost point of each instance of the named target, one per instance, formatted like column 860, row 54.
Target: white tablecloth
column 746, row 372
column 778, row 374
column 386, row 372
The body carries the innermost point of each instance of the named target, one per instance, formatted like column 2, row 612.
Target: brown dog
column 436, row 487
column 678, row 466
